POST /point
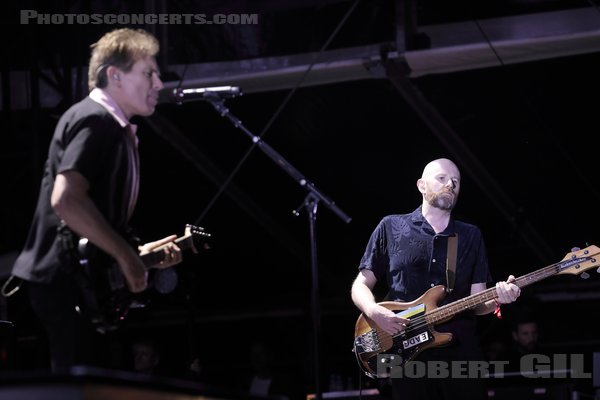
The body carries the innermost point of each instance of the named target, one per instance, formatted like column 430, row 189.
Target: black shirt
column 405, row 252
column 90, row 141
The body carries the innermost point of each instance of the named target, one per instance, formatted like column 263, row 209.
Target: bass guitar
column 374, row 347
column 105, row 298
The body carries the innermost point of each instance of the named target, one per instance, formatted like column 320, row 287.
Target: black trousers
column 72, row 339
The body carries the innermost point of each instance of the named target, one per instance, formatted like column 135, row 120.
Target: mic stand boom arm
column 317, row 195
column 310, row 203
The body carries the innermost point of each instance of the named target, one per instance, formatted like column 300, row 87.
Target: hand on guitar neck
column 507, row 291
column 135, row 267
column 172, row 253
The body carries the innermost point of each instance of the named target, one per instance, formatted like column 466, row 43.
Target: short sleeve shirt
column 405, row 252
column 88, row 140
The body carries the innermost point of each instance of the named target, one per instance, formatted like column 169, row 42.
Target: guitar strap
column 451, row 262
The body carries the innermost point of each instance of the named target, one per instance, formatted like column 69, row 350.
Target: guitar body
column 376, row 350
column 370, row 341
column 105, row 299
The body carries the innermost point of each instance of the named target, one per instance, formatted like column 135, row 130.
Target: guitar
column 373, row 346
column 105, row 299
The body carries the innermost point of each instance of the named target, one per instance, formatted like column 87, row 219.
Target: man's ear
column 421, row 185
column 113, row 74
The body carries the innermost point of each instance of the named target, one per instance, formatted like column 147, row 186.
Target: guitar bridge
column 367, row 342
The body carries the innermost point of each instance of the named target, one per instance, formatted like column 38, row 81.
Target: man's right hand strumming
column 134, row 271
column 386, row 319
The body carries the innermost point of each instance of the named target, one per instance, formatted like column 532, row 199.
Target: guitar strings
column 421, row 321
column 534, row 276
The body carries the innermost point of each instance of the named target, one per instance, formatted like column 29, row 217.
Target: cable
column 360, row 383
column 277, row 112
column 488, row 41
column 593, row 4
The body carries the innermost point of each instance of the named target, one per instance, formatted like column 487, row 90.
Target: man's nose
column 157, row 83
column 450, row 183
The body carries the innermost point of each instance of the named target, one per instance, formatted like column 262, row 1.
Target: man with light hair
column 89, row 189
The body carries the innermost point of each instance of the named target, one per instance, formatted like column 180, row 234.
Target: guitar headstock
column 578, row 261
column 200, row 239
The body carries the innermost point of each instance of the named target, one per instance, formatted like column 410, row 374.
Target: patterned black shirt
column 405, row 252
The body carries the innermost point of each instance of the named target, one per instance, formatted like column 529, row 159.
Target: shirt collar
column 418, row 219
column 103, row 98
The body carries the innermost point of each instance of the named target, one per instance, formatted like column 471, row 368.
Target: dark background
column 533, row 127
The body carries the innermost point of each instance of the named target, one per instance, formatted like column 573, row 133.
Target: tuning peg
column 575, row 249
column 584, row 275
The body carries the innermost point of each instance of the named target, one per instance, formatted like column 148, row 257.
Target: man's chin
column 147, row 112
column 445, row 202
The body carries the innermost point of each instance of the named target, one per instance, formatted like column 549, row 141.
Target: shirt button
column 433, row 260
column 433, row 284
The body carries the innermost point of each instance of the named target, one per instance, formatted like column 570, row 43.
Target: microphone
column 209, row 93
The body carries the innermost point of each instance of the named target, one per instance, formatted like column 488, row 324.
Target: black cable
column 488, row 41
column 185, row 67
column 593, row 4
column 360, row 384
column 277, row 112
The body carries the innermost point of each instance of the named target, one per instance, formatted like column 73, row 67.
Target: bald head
column 440, row 184
column 441, row 164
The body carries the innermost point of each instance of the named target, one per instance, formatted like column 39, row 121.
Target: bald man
column 408, row 254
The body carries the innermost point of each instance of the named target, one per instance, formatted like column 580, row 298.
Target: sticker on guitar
column 377, row 351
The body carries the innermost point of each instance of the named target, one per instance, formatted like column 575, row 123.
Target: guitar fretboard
column 447, row 311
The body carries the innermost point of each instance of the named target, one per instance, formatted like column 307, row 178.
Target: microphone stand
column 310, row 204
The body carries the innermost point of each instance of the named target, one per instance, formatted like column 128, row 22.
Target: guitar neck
column 155, row 257
column 447, row 311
